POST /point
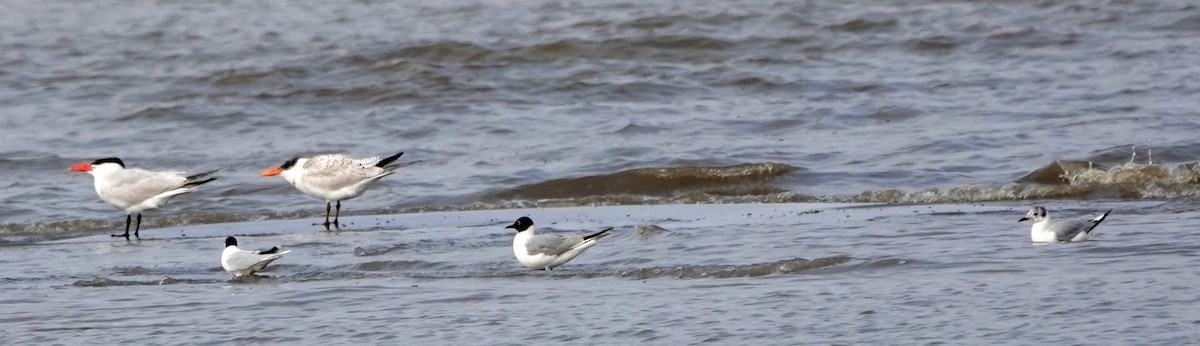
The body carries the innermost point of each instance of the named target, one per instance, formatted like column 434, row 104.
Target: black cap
column 110, row 160
column 288, row 165
column 522, row 224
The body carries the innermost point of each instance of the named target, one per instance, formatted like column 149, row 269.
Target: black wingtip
column 598, row 235
column 1101, row 218
column 1097, row 221
column 388, row 160
column 272, row 250
column 202, row 175
column 198, row 182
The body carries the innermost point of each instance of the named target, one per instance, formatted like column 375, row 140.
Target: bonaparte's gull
column 242, row 262
column 1046, row 231
column 546, row 251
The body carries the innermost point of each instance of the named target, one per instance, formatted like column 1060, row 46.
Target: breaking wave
column 757, row 183
column 725, row 184
column 1080, row 180
column 745, row 183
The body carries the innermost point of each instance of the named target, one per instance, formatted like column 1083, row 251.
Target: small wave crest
column 686, row 272
column 100, row 281
column 127, row 271
column 377, row 250
column 753, row 179
column 645, row 232
column 656, row 47
column 378, row 266
column 789, row 266
column 72, row 228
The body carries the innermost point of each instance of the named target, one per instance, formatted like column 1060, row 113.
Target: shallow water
column 961, row 113
column 762, row 273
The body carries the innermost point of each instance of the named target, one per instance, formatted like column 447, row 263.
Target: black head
column 230, row 241
column 110, row 160
column 1036, row 214
column 522, row 224
column 289, row 164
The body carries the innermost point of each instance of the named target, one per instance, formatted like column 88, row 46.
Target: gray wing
column 136, row 185
column 1068, row 229
column 552, row 244
column 335, row 172
column 242, row 260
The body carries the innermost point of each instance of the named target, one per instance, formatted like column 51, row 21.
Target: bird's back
column 1062, row 231
column 130, row 187
column 241, row 262
column 338, row 177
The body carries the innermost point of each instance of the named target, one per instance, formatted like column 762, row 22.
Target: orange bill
column 271, row 172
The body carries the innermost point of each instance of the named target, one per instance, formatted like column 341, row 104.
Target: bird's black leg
column 128, row 219
column 326, row 216
column 138, row 227
column 337, row 215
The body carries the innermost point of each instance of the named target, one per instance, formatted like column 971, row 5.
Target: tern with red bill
column 334, row 177
column 135, row 190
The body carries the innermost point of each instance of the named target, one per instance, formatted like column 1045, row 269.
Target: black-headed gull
column 241, row 262
column 546, row 251
column 1046, row 231
column 335, row 177
column 135, row 190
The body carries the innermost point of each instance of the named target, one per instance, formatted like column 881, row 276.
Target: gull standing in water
column 546, row 251
column 333, row 178
column 1046, row 231
column 242, row 262
column 135, row 190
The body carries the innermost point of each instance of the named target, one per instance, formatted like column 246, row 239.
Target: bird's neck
column 524, row 235
column 1040, row 226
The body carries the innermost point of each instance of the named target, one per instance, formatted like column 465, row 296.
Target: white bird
column 546, row 251
column 241, row 262
column 1046, row 231
column 135, row 190
column 333, row 178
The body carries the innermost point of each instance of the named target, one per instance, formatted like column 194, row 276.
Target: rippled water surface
column 514, row 108
column 734, row 273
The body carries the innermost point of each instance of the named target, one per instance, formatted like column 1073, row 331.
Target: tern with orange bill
column 135, row 190
column 334, row 177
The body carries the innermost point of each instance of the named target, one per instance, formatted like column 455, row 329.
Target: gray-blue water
column 936, row 105
column 723, row 274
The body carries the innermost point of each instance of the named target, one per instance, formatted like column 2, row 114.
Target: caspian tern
column 333, row 178
column 1046, row 231
column 241, row 262
column 135, row 190
column 546, row 251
